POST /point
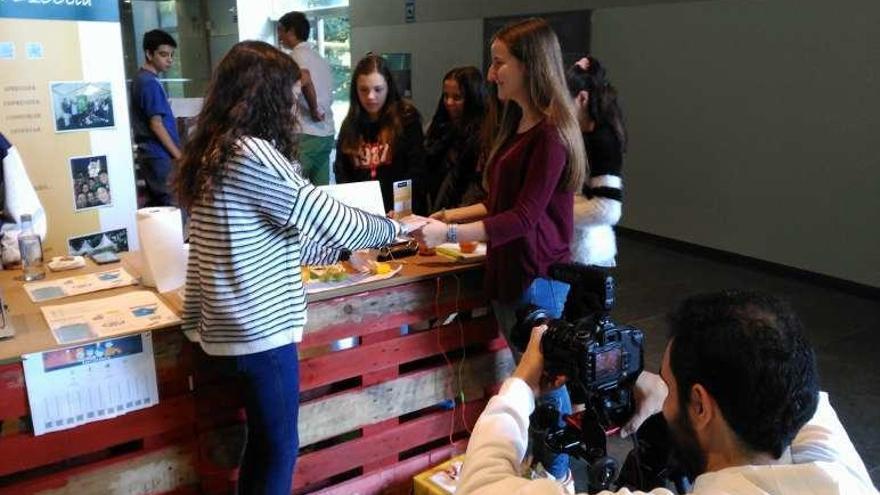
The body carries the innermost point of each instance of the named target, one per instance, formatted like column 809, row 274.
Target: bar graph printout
column 90, row 382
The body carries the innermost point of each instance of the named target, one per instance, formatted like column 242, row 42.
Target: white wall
column 754, row 127
column 387, row 12
column 435, row 47
column 105, row 38
column 446, row 34
column 752, row 122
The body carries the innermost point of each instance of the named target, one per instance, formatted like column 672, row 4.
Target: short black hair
column 156, row 38
column 297, row 22
column 749, row 351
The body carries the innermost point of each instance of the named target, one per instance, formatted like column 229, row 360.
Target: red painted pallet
column 371, row 417
column 384, row 410
column 152, row 447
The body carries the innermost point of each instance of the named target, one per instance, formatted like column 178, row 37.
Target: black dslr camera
column 600, row 358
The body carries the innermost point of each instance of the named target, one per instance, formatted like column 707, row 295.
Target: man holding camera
column 738, row 389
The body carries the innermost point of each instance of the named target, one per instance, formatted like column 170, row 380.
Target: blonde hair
column 534, row 43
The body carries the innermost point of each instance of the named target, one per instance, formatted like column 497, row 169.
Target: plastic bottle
column 31, row 248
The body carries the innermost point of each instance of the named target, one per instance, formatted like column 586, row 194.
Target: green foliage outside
column 337, row 39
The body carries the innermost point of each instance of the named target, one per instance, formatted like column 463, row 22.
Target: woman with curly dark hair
column 454, row 141
column 381, row 137
column 254, row 220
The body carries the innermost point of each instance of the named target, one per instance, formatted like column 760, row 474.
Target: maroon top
column 530, row 221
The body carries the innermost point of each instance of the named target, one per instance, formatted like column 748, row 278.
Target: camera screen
column 608, row 364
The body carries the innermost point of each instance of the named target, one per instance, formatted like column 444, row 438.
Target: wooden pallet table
column 401, row 399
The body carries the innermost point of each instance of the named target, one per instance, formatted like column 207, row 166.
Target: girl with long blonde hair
column 535, row 165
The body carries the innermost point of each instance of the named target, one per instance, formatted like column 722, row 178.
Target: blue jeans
column 270, row 382
column 550, row 295
column 155, row 172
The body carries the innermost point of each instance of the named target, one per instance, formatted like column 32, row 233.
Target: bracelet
column 452, row 232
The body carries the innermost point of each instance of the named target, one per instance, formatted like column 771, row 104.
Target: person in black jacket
column 381, row 137
column 453, row 141
column 599, row 207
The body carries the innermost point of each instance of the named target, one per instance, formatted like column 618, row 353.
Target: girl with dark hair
column 453, row 141
column 253, row 221
column 604, row 134
column 381, row 137
column 535, row 164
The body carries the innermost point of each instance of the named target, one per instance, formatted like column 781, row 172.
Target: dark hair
column 156, row 38
column 251, row 94
column 297, row 22
column 392, row 116
column 603, row 106
column 470, row 83
column 750, row 353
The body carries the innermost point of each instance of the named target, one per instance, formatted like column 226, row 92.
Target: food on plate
column 467, row 246
column 424, row 250
column 380, row 268
column 328, row 273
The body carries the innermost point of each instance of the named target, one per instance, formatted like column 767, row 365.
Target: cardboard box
column 439, row 480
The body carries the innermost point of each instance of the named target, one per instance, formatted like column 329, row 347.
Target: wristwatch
column 452, row 232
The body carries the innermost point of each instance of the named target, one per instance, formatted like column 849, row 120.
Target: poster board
column 90, row 382
column 64, row 106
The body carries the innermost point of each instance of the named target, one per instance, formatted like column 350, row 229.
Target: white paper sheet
column 82, row 384
column 160, row 231
column 106, row 317
column 186, row 107
column 47, row 290
column 366, row 196
column 411, row 223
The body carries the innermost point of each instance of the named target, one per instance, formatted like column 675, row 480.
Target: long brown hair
column 251, row 94
column 534, row 43
column 392, row 116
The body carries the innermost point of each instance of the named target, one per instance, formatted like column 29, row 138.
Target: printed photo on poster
column 91, row 182
column 81, row 105
column 34, row 50
column 110, row 240
column 7, row 50
column 92, row 353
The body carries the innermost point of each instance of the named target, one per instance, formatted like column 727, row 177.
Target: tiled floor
column 844, row 328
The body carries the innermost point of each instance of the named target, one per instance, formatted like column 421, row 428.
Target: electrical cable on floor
column 463, row 353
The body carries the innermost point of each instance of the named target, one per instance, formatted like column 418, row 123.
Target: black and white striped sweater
column 244, row 291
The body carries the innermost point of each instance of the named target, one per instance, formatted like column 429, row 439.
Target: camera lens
column 527, row 318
